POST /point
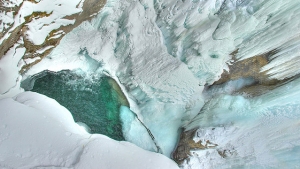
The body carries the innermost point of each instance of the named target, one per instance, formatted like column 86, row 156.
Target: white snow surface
column 12, row 3
column 259, row 132
column 10, row 65
column 6, row 19
column 37, row 132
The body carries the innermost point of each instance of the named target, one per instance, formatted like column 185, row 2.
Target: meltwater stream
column 93, row 100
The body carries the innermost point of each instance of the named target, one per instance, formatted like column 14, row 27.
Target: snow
column 31, row 60
column 196, row 30
column 38, row 132
column 228, row 87
column 40, row 51
column 10, row 65
column 147, row 60
column 6, row 19
column 259, row 132
column 12, row 3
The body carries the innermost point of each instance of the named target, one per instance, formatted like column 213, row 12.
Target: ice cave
column 150, row 84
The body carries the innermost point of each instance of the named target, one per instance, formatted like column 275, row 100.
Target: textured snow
column 37, row 132
column 259, row 132
column 6, row 19
column 196, row 30
column 12, row 3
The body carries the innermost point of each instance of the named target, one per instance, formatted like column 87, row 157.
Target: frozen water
column 133, row 129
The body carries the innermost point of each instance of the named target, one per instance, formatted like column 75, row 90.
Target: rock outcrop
column 12, row 31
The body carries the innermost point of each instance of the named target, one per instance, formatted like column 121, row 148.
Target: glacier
column 165, row 53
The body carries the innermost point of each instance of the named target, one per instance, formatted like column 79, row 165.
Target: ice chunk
column 132, row 128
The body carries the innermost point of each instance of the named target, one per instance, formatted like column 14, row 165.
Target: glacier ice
column 134, row 131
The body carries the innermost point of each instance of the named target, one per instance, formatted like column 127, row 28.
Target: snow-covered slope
column 37, row 132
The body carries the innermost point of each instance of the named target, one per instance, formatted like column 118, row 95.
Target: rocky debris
column 247, row 68
column 238, row 69
column 251, row 68
column 186, row 144
column 121, row 96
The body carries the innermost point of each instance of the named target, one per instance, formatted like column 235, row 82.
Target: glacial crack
column 158, row 149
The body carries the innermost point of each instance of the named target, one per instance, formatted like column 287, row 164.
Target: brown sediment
column 186, row 144
column 239, row 69
column 121, row 96
column 90, row 7
column 15, row 10
column 11, row 41
column 251, row 68
column 247, row 68
column 32, row 1
column 36, row 15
